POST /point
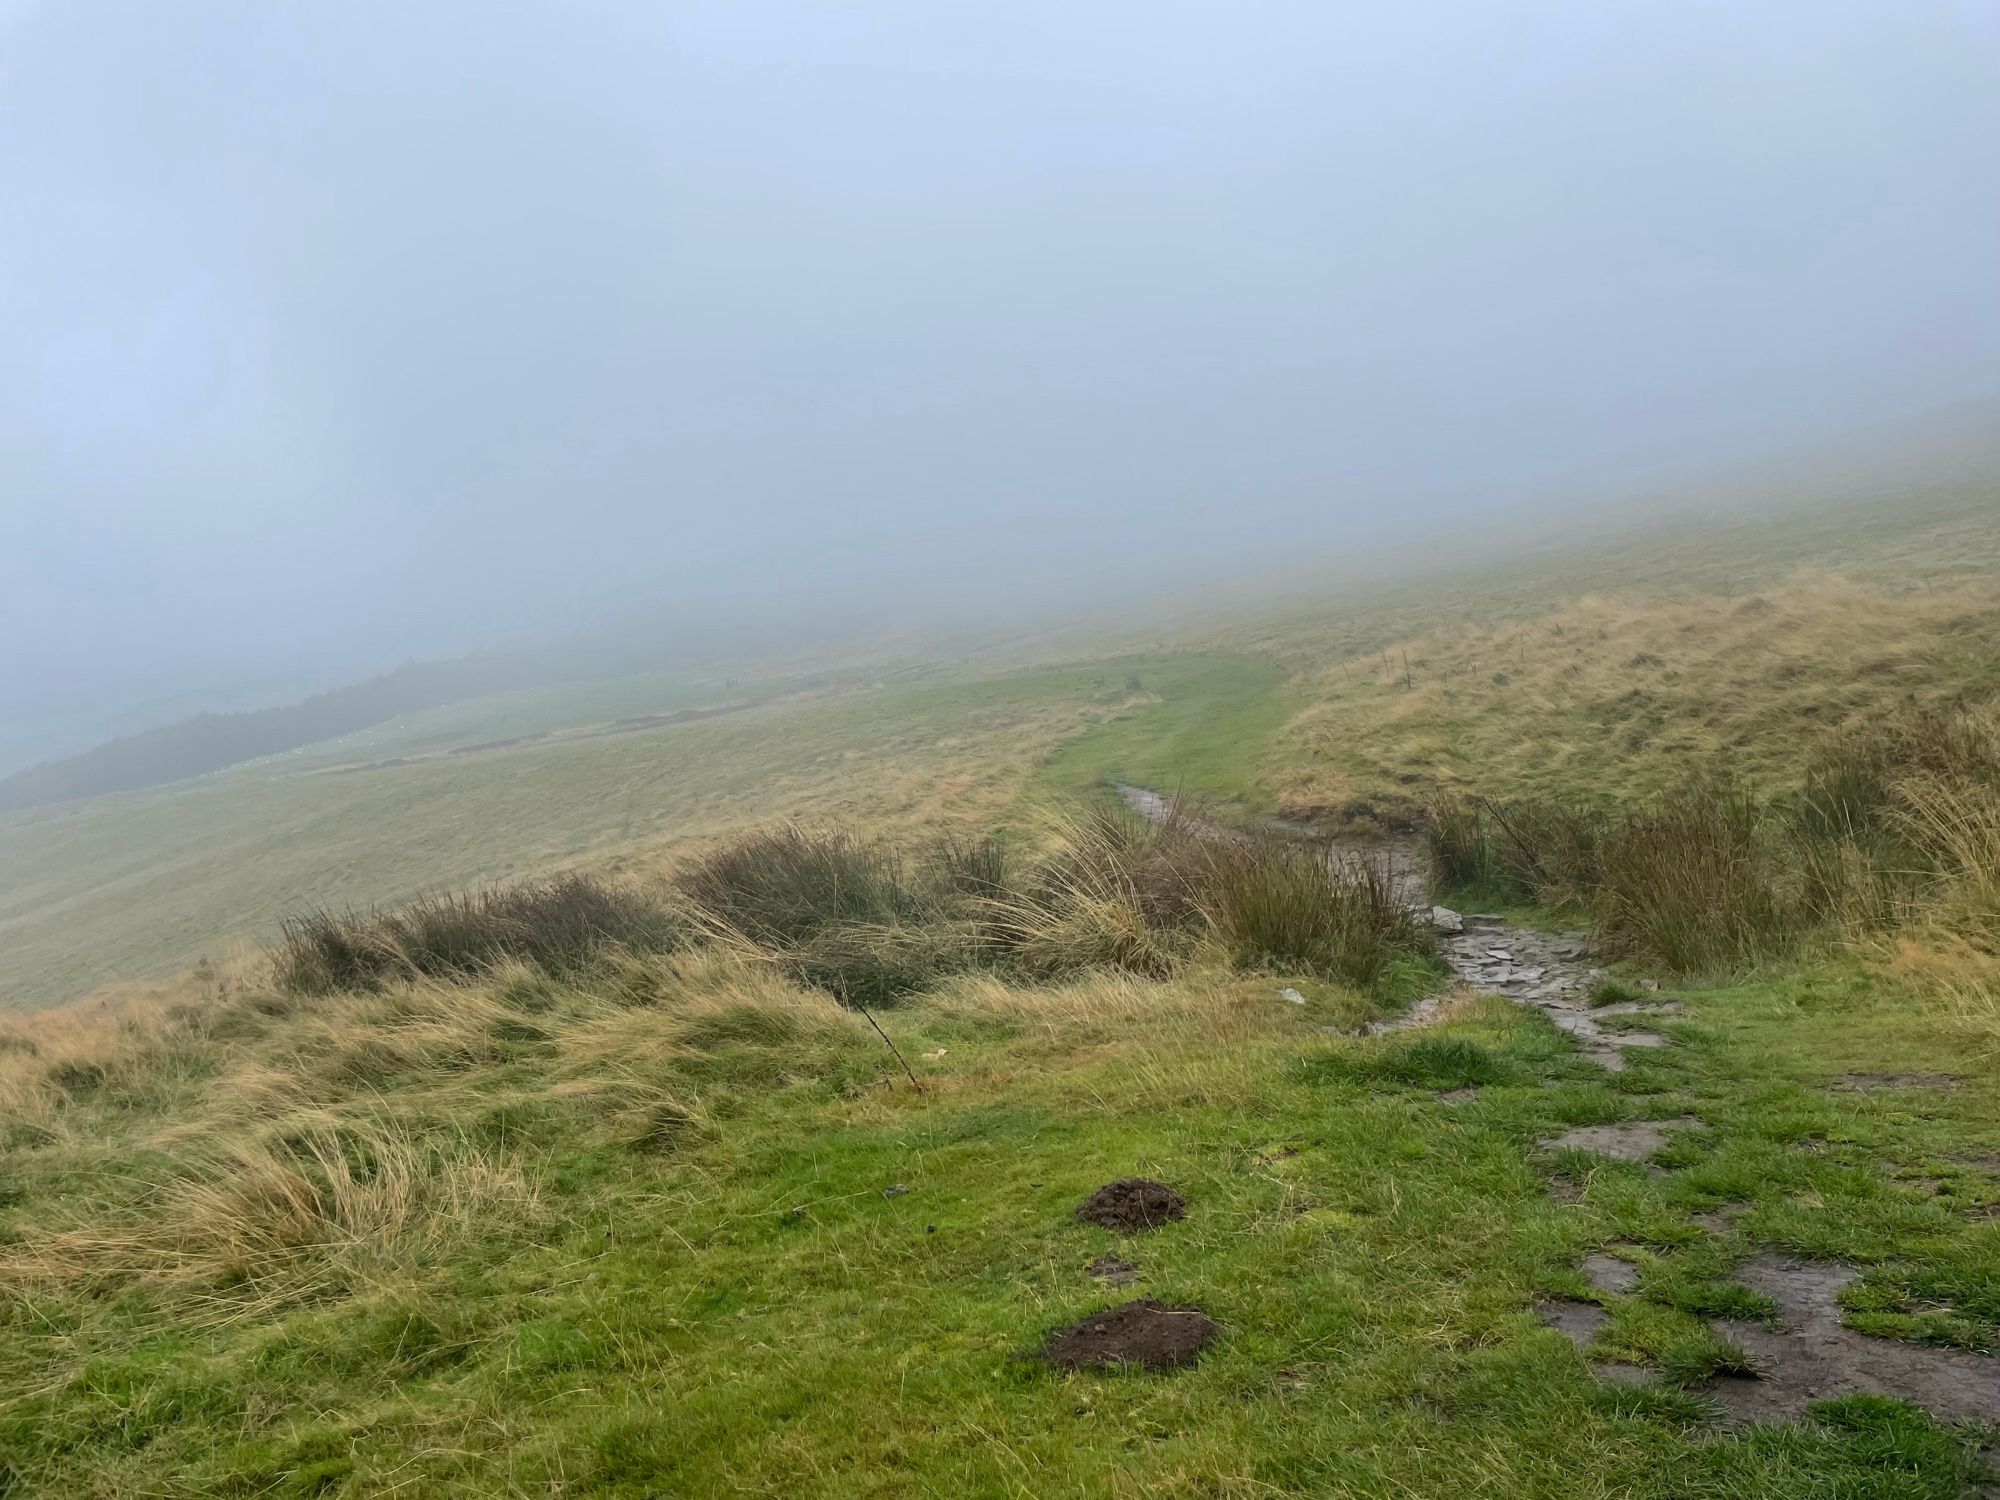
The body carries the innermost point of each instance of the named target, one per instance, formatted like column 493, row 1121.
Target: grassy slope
column 1617, row 698
column 133, row 886
column 631, row 1238
column 668, row 1266
column 1206, row 730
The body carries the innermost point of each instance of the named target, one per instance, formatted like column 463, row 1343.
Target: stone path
column 1549, row 970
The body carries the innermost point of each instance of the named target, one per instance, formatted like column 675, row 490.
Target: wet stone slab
column 1635, row 1140
column 1608, row 1273
column 1809, row 1355
column 1579, row 1322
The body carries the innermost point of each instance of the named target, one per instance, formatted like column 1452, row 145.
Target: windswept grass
column 1893, row 829
column 1608, row 701
column 1304, row 909
column 1103, row 890
column 557, row 926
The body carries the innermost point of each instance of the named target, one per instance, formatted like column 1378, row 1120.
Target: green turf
column 1205, row 725
column 746, row 1309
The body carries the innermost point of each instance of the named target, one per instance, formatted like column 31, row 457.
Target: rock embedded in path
column 1132, row 1204
column 1609, row 1274
column 1146, row 1334
column 1444, row 919
column 1812, row 1356
column 1579, row 1322
column 1636, row 1140
column 1870, row 1083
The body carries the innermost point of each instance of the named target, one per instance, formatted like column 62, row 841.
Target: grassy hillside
column 1500, row 672
column 1616, row 698
column 468, row 1199
column 688, row 1230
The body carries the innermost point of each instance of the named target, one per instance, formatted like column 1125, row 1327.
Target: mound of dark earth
column 1132, row 1203
column 1145, row 1333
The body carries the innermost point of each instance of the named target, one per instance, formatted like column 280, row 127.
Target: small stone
column 1291, row 996
column 1446, row 920
column 895, row 1190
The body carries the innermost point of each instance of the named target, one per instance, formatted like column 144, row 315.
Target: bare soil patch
column 1113, row 1270
column 1872, row 1083
column 1580, row 1322
column 1132, row 1204
column 1810, row 1356
column 1145, row 1333
column 1636, row 1140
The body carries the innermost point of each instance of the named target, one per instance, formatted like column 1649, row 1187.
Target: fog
column 337, row 333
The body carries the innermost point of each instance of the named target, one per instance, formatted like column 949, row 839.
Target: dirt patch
column 1871, row 1083
column 1579, row 1322
column 1609, row 1274
column 1113, row 1270
column 1810, row 1356
column 1565, row 1189
column 1637, row 1140
column 1145, row 1333
column 1722, row 1220
column 1452, row 1098
column 1131, row 1204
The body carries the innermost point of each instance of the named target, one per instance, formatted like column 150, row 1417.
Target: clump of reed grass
column 1691, row 883
column 1304, row 909
column 557, row 926
column 1114, row 891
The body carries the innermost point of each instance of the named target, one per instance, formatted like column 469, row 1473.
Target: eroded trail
column 1552, row 971
column 1805, row 1353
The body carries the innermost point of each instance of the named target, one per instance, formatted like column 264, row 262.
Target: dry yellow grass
column 130, row 887
column 275, row 1164
column 1615, row 698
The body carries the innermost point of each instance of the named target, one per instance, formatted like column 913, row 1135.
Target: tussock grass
column 244, row 1225
column 1114, row 891
column 557, row 925
column 1689, row 883
column 1303, row 909
column 1895, row 828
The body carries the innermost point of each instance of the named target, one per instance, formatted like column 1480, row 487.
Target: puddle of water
column 1811, row 1356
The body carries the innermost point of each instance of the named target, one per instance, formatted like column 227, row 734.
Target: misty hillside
column 211, row 741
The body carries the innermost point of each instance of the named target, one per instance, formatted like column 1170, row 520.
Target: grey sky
column 333, row 332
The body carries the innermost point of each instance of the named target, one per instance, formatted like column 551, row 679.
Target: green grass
column 735, row 1306
column 1204, row 726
